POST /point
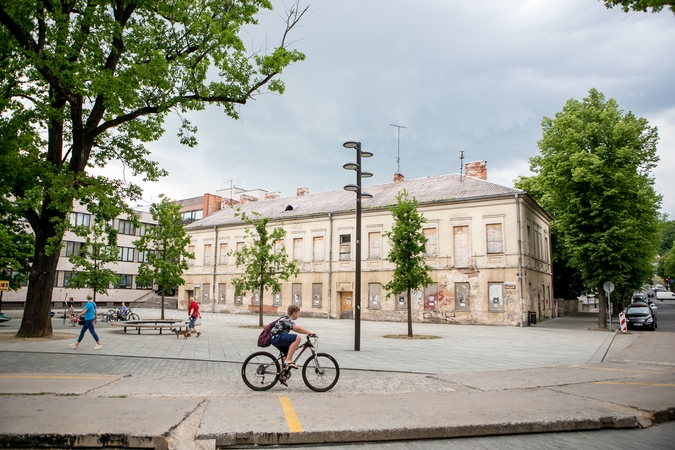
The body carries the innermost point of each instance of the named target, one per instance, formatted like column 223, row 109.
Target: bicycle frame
column 304, row 346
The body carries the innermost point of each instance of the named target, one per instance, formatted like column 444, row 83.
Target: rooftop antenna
column 461, row 165
column 398, row 152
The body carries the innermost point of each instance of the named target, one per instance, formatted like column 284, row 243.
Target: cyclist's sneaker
column 199, row 333
column 73, row 346
column 284, row 382
column 98, row 347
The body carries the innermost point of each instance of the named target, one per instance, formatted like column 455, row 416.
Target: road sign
column 622, row 322
column 4, row 285
column 608, row 286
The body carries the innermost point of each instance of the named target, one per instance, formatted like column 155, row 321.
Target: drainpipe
column 213, row 275
column 520, row 259
column 330, row 259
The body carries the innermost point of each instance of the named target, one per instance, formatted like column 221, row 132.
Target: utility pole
column 461, row 164
column 398, row 152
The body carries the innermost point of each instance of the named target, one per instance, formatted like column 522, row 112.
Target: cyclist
column 285, row 341
column 123, row 312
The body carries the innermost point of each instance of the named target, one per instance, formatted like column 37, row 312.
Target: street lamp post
column 359, row 195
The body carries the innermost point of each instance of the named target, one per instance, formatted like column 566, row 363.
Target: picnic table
column 155, row 324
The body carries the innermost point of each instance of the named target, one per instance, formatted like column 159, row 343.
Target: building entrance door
column 346, row 305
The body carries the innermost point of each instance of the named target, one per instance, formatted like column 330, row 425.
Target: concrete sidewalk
column 152, row 391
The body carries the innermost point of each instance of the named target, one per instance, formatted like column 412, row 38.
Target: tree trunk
column 410, row 332
column 602, row 307
column 37, row 320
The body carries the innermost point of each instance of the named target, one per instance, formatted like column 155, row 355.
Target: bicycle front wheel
column 133, row 316
column 321, row 372
column 260, row 371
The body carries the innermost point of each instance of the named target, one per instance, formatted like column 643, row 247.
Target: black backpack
column 265, row 338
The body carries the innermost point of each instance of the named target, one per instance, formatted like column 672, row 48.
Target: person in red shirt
column 193, row 313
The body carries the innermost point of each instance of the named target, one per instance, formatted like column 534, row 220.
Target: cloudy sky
column 476, row 75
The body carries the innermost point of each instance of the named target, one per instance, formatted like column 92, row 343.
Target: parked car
column 640, row 315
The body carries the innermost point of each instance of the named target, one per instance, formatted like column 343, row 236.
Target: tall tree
column 408, row 247
column 163, row 248
column 83, row 83
column 593, row 176
column 264, row 262
column 640, row 5
column 91, row 263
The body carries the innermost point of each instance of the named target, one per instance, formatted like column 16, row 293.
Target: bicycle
column 115, row 315
column 262, row 370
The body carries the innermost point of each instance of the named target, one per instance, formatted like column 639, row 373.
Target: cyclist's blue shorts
column 283, row 340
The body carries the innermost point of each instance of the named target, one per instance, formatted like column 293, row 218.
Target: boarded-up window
column 432, row 241
column 297, row 294
column 375, row 245
column 462, row 297
column 495, row 297
column 431, row 297
column 278, row 246
column 222, row 257
column 276, row 299
column 317, row 248
column 495, row 243
column 317, row 289
column 374, row 296
column 401, row 302
column 206, row 291
column 297, row 249
column 461, row 246
column 240, row 246
column 345, row 247
column 222, row 292
column 207, row 254
column 255, row 300
column 191, row 250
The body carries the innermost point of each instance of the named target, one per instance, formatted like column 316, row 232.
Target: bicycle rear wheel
column 133, row 316
column 321, row 373
column 260, row 371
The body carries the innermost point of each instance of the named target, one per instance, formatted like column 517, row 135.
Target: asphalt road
column 665, row 316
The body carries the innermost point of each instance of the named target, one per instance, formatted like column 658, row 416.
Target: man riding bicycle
column 284, row 340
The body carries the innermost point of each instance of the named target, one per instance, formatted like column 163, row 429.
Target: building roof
column 450, row 187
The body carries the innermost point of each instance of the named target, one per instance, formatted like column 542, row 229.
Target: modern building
column 488, row 246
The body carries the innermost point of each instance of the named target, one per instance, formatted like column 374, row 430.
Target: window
column 495, row 297
column 374, row 296
column 276, row 299
column 222, row 256
column 375, row 245
column 125, row 254
column 56, row 278
column 461, row 246
column 256, row 298
column 317, row 289
column 124, row 281
column 66, row 278
column 142, row 256
column 147, row 228
column 432, row 241
column 126, row 227
column 191, row 216
column 238, row 297
column 297, row 294
column 297, row 249
column 317, row 252
column 73, row 248
column 546, row 248
column 240, row 247
column 80, row 219
column 207, row 254
column 345, row 247
column 222, row 291
column 191, row 250
column 494, row 238
column 278, row 246
column 462, row 299
column 401, row 302
column 143, row 285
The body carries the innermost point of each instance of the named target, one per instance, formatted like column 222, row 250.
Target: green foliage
column 263, row 260
column 593, row 177
column 668, row 261
column 408, row 247
column 16, row 245
column 668, row 236
column 640, row 5
column 165, row 248
column 83, row 83
column 98, row 250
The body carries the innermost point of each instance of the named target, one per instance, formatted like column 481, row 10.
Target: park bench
column 156, row 324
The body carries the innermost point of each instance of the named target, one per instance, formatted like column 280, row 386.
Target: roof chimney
column 302, row 191
column 272, row 195
column 398, row 177
column 476, row 169
column 247, row 198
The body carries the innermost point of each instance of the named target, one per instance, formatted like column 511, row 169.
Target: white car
column 665, row 295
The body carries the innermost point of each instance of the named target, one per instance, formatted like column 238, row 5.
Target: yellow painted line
column 623, row 370
column 57, row 377
column 636, row 383
column 291, row 418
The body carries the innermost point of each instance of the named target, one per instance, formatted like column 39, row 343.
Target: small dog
column 178, row 332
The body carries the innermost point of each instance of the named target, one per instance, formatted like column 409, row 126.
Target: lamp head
column 351, row 166
column 352, row 144
column 365, row 154
column 366, row 195
column 366, row 174
column 352, row 188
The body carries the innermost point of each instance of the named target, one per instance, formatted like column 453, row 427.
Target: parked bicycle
column 262, row 370
column 115, row 315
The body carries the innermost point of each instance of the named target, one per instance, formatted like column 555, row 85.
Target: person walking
column 89, row 315
column 71, row 313
column 193, row 313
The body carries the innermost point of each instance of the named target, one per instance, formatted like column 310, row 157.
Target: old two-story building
column 488, row 246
